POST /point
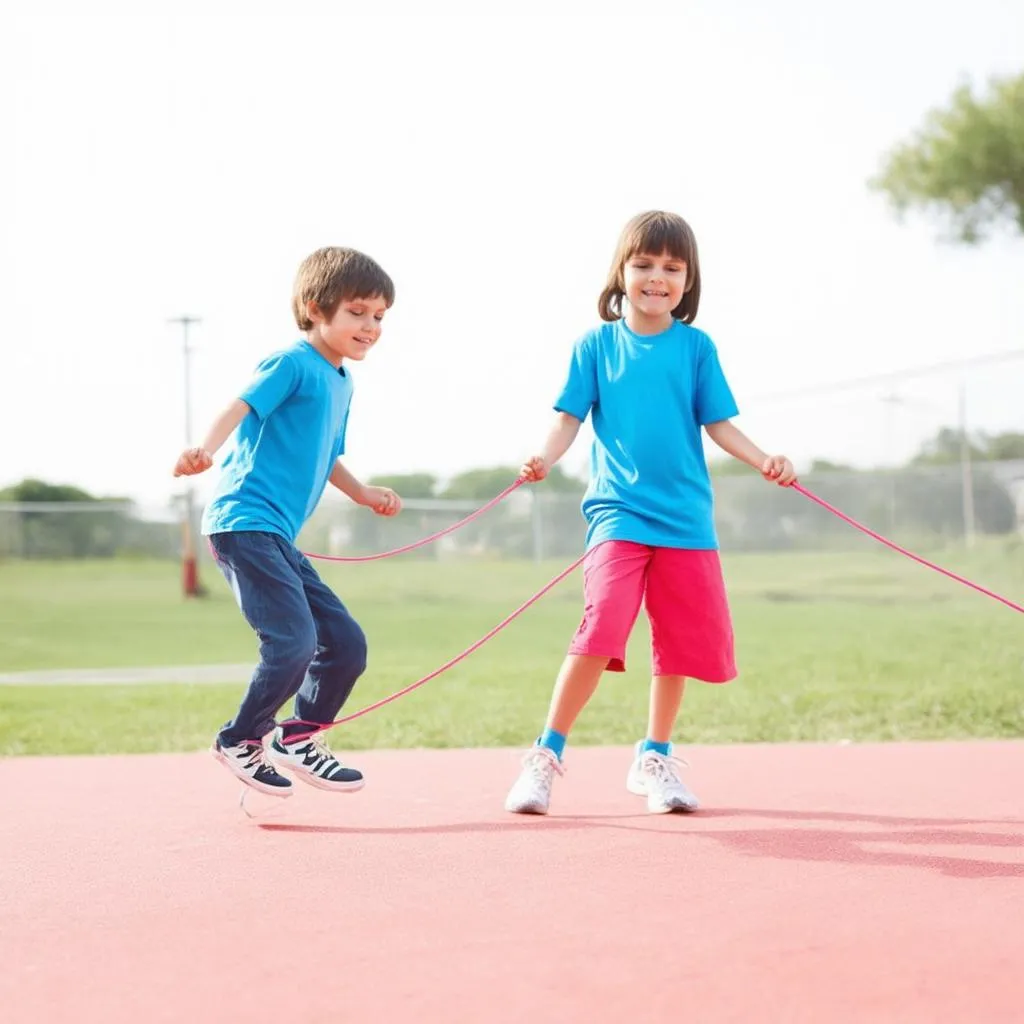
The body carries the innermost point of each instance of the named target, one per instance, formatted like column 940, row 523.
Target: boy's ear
column 314, row 312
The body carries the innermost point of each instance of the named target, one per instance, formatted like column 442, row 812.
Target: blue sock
column 661, row 748
column 554, row 741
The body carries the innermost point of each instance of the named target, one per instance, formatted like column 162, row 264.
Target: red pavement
column 821, row 884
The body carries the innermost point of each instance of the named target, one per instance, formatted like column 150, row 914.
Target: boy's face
column 354, row 328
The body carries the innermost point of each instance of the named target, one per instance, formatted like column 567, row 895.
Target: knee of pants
column 293, row 650
column 344, row 640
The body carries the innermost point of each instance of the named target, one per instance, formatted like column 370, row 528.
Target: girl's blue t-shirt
column 648, row 396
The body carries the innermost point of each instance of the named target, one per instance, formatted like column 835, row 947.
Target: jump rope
column 318, row 727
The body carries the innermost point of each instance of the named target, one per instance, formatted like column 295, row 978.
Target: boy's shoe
column 531, row 793
column 314, row 764
column 248, row 761
column 657, row 777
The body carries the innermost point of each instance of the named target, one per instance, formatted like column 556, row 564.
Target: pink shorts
column 684, row 595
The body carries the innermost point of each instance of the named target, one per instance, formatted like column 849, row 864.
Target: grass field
column 835, row 646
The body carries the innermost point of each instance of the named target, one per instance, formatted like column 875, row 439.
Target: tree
column 967, row 162
column 1004, row 447
column 828, row 466
column 408, row 485
column 944, row 448
column 42, row 533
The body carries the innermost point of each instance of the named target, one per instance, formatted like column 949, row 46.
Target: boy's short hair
column 332, row 275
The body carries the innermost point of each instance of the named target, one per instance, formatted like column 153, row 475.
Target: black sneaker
column 313, row 763
column 248, row 761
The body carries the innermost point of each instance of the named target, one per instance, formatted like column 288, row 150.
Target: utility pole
column 966, row 470
column 966, row 474
column 189, row 565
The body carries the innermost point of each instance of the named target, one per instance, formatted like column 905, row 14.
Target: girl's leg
column 691, row 635
column 614, row 577
column 577, row 680
column 666, row 696
column 614, row 580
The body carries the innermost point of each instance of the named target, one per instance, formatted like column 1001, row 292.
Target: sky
column 184, row 163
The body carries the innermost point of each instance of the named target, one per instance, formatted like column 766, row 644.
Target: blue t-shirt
column 287, row 445
column 649, row 396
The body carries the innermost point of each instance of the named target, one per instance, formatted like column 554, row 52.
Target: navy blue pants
column 310, row 647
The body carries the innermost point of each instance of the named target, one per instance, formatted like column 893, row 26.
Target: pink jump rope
column 321, row 727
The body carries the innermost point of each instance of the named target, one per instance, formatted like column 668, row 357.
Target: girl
column 651, row 381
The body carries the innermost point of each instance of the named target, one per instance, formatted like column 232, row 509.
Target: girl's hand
column 534, row 469
column 779, row 469
column 192, row 461
column 382, row 500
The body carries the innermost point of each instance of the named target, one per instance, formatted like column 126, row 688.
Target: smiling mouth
column 655, row 294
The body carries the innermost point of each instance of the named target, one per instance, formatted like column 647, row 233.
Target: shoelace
column 321, row 752
column 664, row 769
column 538, row 759
column 257, row 758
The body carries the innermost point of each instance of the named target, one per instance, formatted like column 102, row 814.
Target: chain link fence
column 922, row 506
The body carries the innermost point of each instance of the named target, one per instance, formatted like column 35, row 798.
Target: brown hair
column 332, row 275
column 653, row 233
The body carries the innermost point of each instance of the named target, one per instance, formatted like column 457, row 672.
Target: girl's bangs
column 658, row 235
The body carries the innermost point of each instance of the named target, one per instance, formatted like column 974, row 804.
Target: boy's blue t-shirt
column 287, row 445
column 649, row 396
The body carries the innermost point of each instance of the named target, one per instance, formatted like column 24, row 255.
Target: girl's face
column 654, row 286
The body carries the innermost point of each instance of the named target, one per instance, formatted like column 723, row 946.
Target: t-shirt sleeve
column 275, row 379
column 714, row 398
column 579, row 393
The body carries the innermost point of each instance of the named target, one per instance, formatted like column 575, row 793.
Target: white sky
column 158, row 165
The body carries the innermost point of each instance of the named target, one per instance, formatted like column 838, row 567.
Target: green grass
column 860, row 646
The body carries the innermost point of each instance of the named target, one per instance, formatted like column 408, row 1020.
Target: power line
column 884, row 378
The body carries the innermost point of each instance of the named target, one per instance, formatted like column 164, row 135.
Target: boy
column 291, row 422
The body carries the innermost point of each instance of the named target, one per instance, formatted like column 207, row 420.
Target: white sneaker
column 248, row 761
column 657, row 777
column 313, row 763
column 531, row 793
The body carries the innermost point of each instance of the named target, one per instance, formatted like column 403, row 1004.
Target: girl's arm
column 198, row 460
column 560, row 438
column 733, row 441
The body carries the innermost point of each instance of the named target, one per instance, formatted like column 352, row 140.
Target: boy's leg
column 691, row 634
column 339, row 661
column 268, row 588
column 340, row 653
column 614, row 577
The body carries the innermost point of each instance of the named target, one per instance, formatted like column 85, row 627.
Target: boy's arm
column 733, row 441
column 560, row 438
column 382, row 500
column 197, row 460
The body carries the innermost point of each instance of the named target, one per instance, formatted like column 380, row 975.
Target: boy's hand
column 192, row 461
column 534, row 469
column 382, row 500
column 779, row 469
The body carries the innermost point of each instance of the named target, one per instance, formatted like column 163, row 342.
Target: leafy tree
column 966, row 162
column 408, row 485
column 36, row 533
column 944, row 448
column 1004, row 447
column 32, row 490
